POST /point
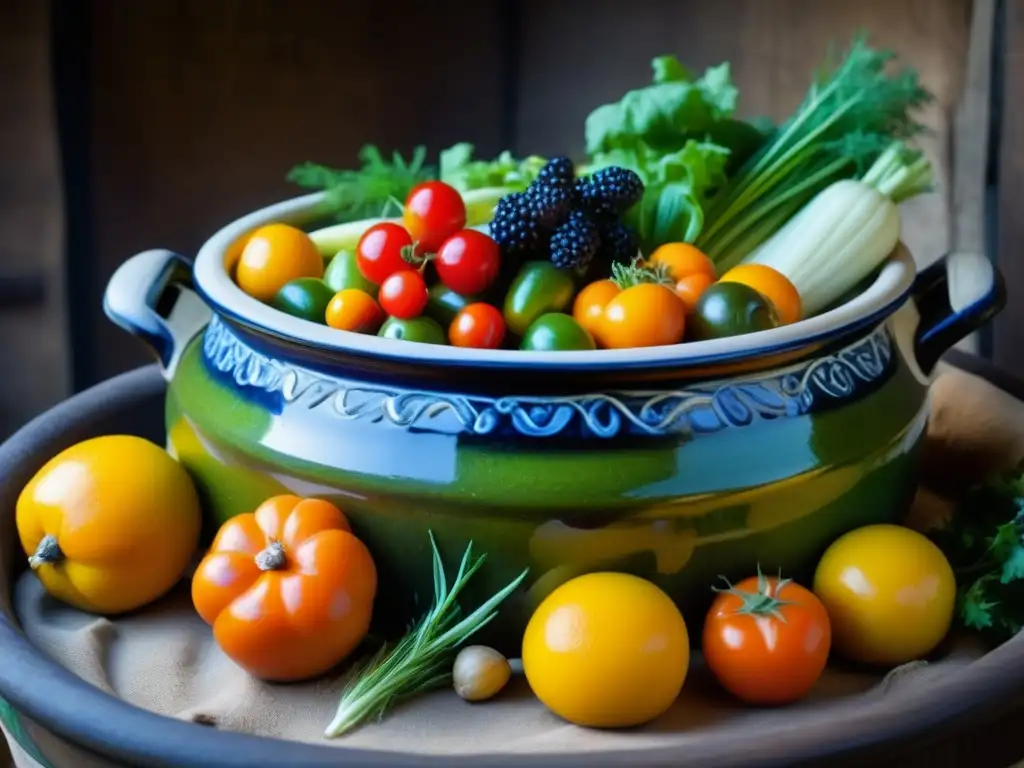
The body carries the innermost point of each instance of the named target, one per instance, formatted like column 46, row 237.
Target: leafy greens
column 678, row 135
column 984, row 543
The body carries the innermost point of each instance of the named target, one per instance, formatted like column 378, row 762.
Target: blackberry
column 576, row 242
column 610, row 190
column 516, row 227
column 549, row 204
column 557, row 172
column 619, row 242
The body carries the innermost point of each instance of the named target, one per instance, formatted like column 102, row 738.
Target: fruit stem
column 272, row 558
column 48, row 551
column 764, row 602
column 638, row 272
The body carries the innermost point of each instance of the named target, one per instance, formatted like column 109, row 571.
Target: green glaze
column 305, row 297
column 423, row 329
column 730, row 309
column 556, row 331
column 343, row 272
column 12, row 723
column 539, row 287
column 679, row 510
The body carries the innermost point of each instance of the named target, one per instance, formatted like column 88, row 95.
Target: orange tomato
column 644, row 315
column 288, row 589
column 766, row 640
column 771, row 284
column 691, row 287
column 588, row 308
column 273, row 256
column 354, row 310
column 682, row 260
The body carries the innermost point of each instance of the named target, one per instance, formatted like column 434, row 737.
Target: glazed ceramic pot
column 680, row 464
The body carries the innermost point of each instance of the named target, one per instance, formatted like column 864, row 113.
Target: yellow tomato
column 644, row 315
column 889, row 593
column 273, row 256
column 682, row 260
column 109, row 524
column 771, row 284
column 606, row 650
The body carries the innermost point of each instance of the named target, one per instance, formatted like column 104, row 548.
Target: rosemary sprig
column 422, row 660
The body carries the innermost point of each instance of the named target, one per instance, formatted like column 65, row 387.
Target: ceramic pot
column 681, row 464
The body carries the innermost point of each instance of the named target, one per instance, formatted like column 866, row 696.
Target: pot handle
column 955, row 296
column 134, row 297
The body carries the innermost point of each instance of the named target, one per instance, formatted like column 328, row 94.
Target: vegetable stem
column 422, row 660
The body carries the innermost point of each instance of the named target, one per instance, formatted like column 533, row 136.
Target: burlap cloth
column 164, row 659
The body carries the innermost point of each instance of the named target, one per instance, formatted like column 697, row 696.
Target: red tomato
column 468, row 261
column 380, row 249
column 403, row 294
column 434, row 212
column 767, row 640
column 478, row 325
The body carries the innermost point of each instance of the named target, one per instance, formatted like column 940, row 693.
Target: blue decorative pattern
column 703, row 408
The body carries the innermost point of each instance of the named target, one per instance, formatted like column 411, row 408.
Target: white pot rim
column 887, row 293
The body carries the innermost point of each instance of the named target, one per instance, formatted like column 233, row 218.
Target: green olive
column 343, row 272
column 730, row 309
column 540, row 287
column 422, row 329
column 305, row 297
column 556, row 331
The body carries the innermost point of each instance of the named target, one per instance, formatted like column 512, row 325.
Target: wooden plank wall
column 1009, row 331
column 196, row 110
column 34, row 363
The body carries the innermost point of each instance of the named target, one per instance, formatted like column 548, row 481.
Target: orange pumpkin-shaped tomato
column 288, row 589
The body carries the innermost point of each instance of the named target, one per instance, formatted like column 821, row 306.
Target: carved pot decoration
column 680, row 464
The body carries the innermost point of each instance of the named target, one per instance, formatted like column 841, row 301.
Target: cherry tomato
column 682, row 260
column 468, row 261
column 731, row 309
column 767, row 640
column 479, row 325
column 588, row 308
column 771, row 284
column 380, row 249
column 890, row 593
column 354, row 310
column 404, row 294
column 691, row 288
column 434, row 211
column 273, row 256
column 644, row 315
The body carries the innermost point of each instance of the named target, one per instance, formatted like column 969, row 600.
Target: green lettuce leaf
column 458, row 168
column 660, row 114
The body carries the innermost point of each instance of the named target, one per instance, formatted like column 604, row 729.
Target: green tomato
column 730, row 309
column 305, row 297
column 556, row 332
column 539, row 288
column 444, row 303
column 343, row 272
column 422, row 329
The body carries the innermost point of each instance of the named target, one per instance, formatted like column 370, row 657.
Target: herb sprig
column 363, row 193
column 422, row 660
column 984, row 543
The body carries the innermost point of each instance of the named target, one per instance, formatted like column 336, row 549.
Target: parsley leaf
column 1013, row 565
column 984, row 543
column 363, row 193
